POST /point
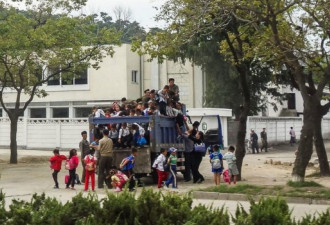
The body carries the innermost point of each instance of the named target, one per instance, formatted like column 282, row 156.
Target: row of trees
column 266, row 42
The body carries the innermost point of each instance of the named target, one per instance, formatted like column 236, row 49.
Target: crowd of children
column 118, row 178
column 154, row 102
column 166, row 168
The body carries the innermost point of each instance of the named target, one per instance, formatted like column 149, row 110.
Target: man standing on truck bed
column 105, row 162
column 174, row 88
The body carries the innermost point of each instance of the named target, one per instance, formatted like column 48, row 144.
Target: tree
column 295, row 34
column 197, row 25
column 39, row 45
column 130, row 30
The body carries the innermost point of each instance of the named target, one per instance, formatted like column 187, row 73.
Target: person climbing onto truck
column 127, row 166
column 159, row 166
column 138, row 133
column 162, row 99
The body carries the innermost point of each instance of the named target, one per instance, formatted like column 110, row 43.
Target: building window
column 60, row 112
column 82, row 112
column 12, row 110
column 66, row 78
column 135, row 78
column 0, row 112
column 80, row 78
column 37, row 113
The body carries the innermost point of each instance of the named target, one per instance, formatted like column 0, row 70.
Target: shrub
column 268, row 211
column 150, row 207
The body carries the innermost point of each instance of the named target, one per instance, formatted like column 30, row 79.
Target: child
column 90, row 162
column 159, row 166
column 124, row 137
column 217, row 164
column 113, row 135
column 72, row 162
column 127, row 166
column 172, row 160
column 56, row 165
column 231, row 160
column 118, row 179
column 138, row 133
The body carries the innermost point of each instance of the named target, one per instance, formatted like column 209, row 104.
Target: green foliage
column 320, row 219
column 270, row 211
column 148, row 208
column 204, row 215
column 303, row 184
column 130, row 30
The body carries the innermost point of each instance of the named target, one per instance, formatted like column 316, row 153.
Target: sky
column 143, row 11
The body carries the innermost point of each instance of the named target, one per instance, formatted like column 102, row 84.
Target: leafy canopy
column 44, row 41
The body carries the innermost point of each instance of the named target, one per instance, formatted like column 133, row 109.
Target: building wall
column 113, row 80
column 298, row 101
column 133, row 63
column 188, row 77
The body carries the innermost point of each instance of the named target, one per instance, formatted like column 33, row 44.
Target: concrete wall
column 65, row 133
column 44, row 133
column 278, row 127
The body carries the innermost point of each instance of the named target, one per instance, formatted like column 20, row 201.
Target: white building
column 293, row 106
column 126, row 74
column 58, row 119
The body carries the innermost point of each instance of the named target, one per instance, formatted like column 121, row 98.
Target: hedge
column 149, row 208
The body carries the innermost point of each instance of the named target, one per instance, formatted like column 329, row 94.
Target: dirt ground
column 33, row 175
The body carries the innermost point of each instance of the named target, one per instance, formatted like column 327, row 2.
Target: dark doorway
column 291, row 97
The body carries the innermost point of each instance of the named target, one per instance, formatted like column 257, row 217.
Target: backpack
column 90, row 164
column 122, row 163
column 216, row 162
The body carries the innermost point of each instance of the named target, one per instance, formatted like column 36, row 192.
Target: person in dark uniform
column 254, row 140
column 84, row 150
column 263, row 136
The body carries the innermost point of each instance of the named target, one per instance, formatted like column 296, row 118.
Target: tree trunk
column 320, row 148
column 13, row 141
column 240, row 144
column 305, row 148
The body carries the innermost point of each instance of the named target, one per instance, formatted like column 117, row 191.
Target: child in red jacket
column 73, row 164
column 90, row 162
column 56, row 165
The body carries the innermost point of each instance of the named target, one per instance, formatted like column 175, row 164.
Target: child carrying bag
column 67, row 164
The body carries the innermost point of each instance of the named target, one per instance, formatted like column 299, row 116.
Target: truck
column 162, row 134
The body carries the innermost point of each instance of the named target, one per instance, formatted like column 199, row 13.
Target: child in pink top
column 73, row 164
